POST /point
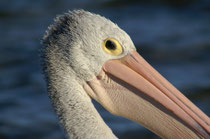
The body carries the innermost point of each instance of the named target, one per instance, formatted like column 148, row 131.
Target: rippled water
column 173, row 36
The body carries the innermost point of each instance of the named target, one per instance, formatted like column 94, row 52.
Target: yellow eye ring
column 112, row 46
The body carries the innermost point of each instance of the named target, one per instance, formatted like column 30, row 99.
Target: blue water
column 173, row 36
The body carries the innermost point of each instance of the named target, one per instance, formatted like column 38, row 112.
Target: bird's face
column 115, row 75
column 96, row 40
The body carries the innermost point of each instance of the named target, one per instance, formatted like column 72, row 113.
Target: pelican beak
column 131, row 88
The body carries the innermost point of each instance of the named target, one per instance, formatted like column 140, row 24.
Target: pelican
column 86, row 56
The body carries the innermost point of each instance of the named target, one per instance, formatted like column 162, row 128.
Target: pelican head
column 87, row 56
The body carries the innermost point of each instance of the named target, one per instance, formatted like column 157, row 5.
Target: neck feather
column 74, row 108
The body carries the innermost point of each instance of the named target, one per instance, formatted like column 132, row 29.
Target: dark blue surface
column 174, row 36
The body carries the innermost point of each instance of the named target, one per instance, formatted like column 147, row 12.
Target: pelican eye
column 112, row 46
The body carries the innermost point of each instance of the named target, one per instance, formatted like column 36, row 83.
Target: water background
column 172, row 35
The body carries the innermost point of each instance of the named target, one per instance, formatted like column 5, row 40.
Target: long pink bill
column 136, row 72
